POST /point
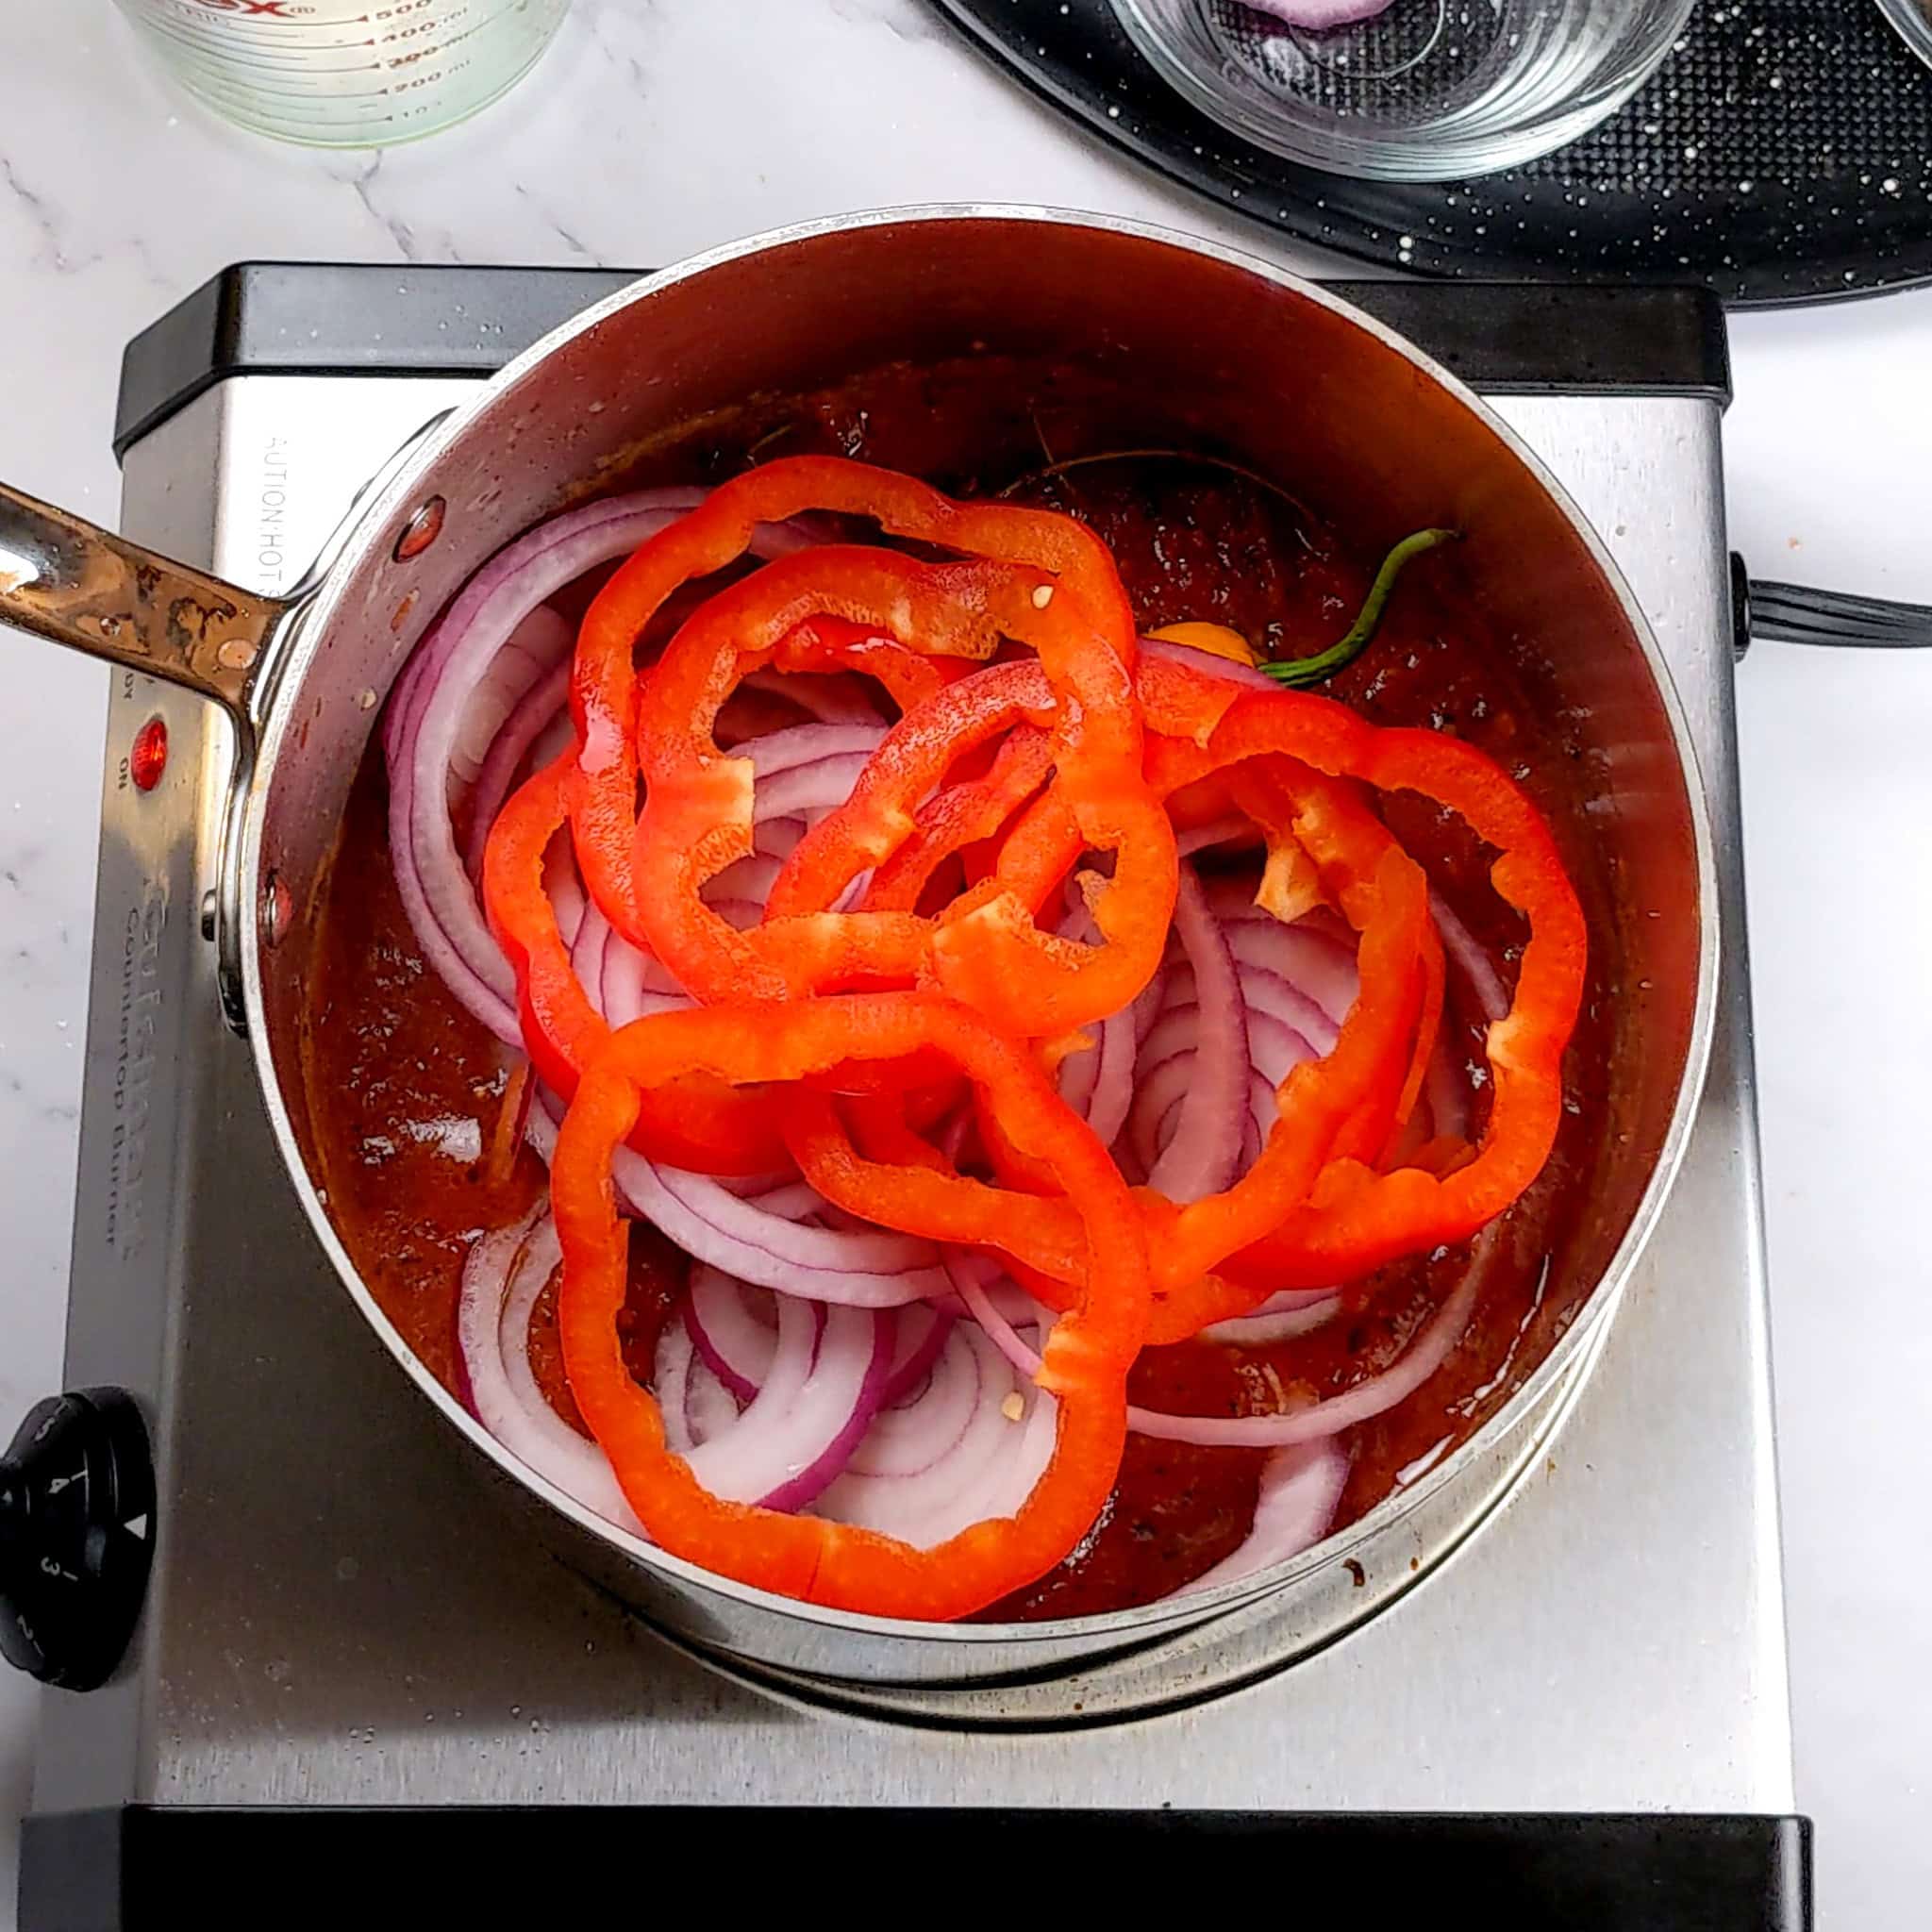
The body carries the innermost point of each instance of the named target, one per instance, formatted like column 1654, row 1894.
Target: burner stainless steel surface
column 340, row 1614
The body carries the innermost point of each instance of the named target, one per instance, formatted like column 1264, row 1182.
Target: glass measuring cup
column 346, row 73
column 1409, row 89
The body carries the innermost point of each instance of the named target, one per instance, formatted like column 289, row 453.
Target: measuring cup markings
column 344, row 72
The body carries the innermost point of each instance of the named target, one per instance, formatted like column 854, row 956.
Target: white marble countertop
column 659, row 127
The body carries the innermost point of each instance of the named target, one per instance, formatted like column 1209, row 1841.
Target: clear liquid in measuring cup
column 347, row 73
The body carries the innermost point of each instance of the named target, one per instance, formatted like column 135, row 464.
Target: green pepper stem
column 1303, row 670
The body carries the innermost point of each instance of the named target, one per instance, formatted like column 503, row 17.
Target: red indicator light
column 147, row 758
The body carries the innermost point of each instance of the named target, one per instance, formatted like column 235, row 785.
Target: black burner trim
column 316, row 318
column 137, row 1868
column 281, row 318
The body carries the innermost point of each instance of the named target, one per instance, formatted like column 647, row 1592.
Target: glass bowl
column 1913, row 19
column 1425, row 90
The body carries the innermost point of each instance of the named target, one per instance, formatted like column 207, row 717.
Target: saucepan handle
column 70, row 581
column 1800, row 614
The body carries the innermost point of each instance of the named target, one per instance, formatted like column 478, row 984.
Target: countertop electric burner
column 348, row 1651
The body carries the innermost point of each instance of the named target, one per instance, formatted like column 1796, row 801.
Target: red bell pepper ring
column 901, row 1183
column 832, row 644
column 1085, row 1362
column 961, row 816
column 603, row 689
column 984, row 948
column 1355, row 1219
column 699, row 1124
column 1283, row 797
column 884, row 820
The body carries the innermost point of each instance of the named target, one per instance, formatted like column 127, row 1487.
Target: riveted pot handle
column 68, row 580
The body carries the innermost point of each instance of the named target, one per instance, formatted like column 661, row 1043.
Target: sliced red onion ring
column 556, row 738
column 735, row 1345
column 1320, row 16
column 1301, row 957
column 1269, row 997
column 1367, row 1399
column 1281, row 1318
column 567, row 900
column 806, row 771
column 473, row 991
column 537, row 714
column 587, row 948
column 776, row 837
column 436, row 889
column 921, row 1331
column 1112, row 1092
column 802, row 747
column 695, row 1404
column 709, row 1407
column 955, row 1457
column 1472, row 961
column 1446, row 1094
column 809, row 791
column 1157, row 1097
column 1263, row 1110
column 536, row 650
column 1275, row 1050
column 1285, row 1022
column 1025, row 1464
column 1226, row 831
column 404, row 698
column 1208, row 661
column 766, row 1232
column 458, row 658
column 816, row 1402
column 506, row 1273
column 723, row 1319
column 908, row 1441
column 1301, row 1489
column 1097, row 1082
column 1207, row 1142
column 822, row 696
column 635, row 983
column 873, row 1270
column 790, row 1200
column 1076, row 1073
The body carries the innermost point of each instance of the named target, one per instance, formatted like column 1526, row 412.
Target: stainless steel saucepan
column 1178, row 339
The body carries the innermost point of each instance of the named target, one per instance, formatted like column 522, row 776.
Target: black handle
column 76, row 1529
column 1798, row 614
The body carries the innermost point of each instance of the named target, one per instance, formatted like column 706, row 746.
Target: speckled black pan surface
column 1782, row 154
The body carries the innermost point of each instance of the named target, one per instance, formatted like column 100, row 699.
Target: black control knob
column 77, row 1531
